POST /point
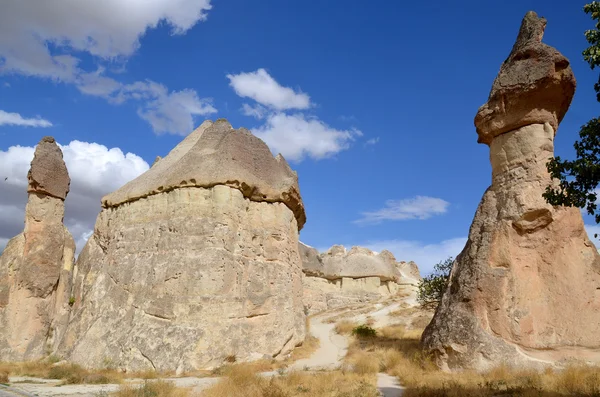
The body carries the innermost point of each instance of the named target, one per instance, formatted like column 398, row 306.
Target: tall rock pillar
column 525, row 291
column 36, row 266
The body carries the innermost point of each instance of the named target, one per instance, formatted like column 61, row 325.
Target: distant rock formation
column 339, row 277
column 36, row 266
column 525, row 291
column 194, row 261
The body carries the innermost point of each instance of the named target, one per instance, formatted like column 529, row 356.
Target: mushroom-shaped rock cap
column 216, row 154
column 48, row 173
column 535, row 85
column 357, row 263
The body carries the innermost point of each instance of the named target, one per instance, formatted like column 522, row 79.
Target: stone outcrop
column 194, row 261
column 339, row 277
column 525, row 290
column 36, row 266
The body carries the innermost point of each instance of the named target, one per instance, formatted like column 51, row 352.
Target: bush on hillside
column 433, row 286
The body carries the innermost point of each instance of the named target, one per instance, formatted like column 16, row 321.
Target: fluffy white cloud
column 425, row 255
column 418, row 207
column 7, row 118
column 265, row 90
column 372, row 141
column 95, row 171
column 107, row 29
column 47, row 39
column 297, row 136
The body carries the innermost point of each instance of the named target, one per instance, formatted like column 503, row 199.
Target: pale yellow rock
column 524, row 291
column 36, row 266
column 183, row 277
column 340, row 278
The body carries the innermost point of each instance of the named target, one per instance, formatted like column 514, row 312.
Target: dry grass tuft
column 345, row 327
column 38, row 369
column 308, row 347
column 3, row 377
column 242, row 382
column 157, row 388
column 68, row 373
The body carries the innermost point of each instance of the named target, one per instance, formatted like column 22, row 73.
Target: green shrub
column 433, row 286
column 364, row 331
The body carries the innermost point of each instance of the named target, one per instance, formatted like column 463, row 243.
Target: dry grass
column 397, row 352
column 3, row 377
column 157, row 388
column 345, row 327
column 68, row 373
column 244, row 382
column 308, row 347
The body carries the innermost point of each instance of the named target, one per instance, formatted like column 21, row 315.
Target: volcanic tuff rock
column 194, row 261
column 525, row 290
column 36, row 266
column 535, row 85
column 339, row 277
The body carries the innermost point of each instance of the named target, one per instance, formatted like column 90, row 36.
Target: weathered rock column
column 36, row 266
column 194, row 261
column 525, row 291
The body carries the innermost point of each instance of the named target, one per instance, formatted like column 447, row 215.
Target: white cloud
column 95, row 171
column 372, row 141
column 418, row 207
column 18, row 120
column 425, row 255
column 107, row 29
column 263, row 88
column 47, row 39
column 296, row 136
column 257, row 111
column 173, row 112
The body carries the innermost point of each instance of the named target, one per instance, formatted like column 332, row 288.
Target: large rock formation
column 36, row 266
column 194, row 261
column 339, row 277
column 525, row 290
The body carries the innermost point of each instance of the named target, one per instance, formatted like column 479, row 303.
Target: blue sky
column 372, row 103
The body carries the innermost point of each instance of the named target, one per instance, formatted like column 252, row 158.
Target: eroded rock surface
column 340, row 277
column 194, row 261
column 36, row 266
column 525, row 291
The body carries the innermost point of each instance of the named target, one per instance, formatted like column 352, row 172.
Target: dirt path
column 332, row 347
column 389, row 386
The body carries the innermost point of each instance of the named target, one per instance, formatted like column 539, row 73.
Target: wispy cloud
column 419, row 207
column 264, row 89
column 7, row 118
column 372, row 141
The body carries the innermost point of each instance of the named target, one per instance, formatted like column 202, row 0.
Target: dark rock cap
column 48, row 173
column 535, row 85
